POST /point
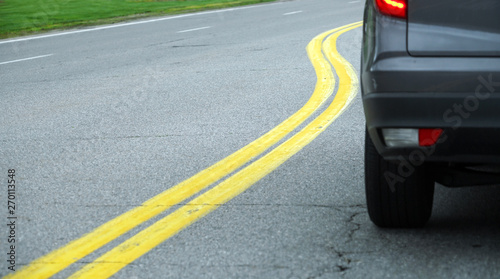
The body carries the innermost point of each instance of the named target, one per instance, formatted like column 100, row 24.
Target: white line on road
column 24, row 59
column 132, row 23
column 352, row 2
column 194, row 29
column 292, row 13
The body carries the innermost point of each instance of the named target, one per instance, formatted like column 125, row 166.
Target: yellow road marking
column 133, row 248
column 59, row 259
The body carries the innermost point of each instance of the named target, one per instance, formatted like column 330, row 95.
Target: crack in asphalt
column 185, row 46
column 357, row 225
column 164, row 43
column 345, row 262
column 295, row 205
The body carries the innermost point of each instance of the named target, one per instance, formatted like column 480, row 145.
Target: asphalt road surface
column 97, row 121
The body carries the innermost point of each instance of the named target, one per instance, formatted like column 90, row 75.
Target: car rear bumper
column 471, row 124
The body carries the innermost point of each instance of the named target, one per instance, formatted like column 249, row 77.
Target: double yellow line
column 136, row 246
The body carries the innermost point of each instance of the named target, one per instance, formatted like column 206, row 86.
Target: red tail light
column 428, row 137
column 396, row 8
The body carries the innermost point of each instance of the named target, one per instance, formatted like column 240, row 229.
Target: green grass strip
column 22, row 17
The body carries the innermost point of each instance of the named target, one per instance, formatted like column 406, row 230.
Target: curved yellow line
column 136, row 246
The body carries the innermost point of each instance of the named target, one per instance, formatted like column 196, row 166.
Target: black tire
column 398, row 195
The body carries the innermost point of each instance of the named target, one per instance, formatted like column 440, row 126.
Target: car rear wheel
column 397, row 195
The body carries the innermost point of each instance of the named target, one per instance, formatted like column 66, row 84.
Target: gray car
column 430, row 79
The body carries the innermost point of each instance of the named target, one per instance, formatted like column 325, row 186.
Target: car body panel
column 454, row 28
